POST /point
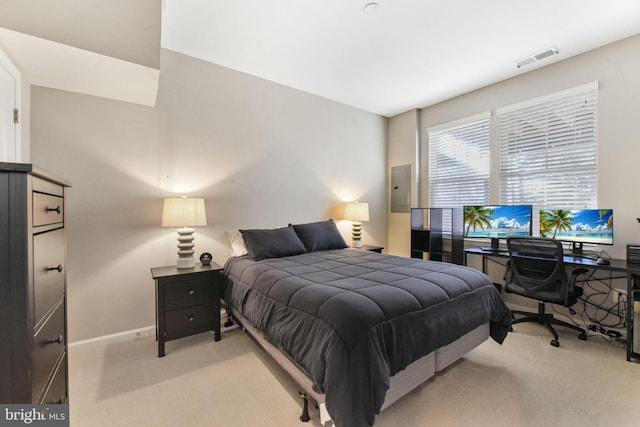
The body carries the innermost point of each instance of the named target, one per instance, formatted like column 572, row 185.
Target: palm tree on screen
column 546, row 224
column 477, row 216
column 605, row 212
column 561, row 220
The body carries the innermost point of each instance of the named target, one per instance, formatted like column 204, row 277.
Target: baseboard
column 131, row 335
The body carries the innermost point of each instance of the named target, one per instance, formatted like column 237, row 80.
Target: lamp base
column 185, row 248
column 186, row 262
column 356, row 234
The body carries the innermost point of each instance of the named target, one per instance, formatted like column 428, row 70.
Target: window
column 548, row 150
column 459, row 162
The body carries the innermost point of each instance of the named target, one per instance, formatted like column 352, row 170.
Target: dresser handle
column 58, row 340
column 59, row 268
column 192, row 292
column 56, row 209
column 192, row 318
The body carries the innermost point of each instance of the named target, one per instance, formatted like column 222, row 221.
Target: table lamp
column 356, row 212
column 184, row 212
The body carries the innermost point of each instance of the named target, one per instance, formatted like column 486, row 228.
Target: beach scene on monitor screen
column 578, row 225
column 497, row 221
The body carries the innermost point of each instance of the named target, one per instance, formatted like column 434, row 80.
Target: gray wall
column 261, row 154
column 616, row 67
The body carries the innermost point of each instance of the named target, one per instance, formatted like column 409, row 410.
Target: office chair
column 536, row 270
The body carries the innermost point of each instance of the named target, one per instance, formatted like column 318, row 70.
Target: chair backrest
column 537, row 268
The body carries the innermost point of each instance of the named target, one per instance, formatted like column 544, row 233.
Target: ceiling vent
column 529, row 60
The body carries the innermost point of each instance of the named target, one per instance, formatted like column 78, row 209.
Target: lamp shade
column 356, row 211
column 183, row 212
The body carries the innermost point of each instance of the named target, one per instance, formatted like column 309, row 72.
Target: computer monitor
column 497, row 222
column 578, row 226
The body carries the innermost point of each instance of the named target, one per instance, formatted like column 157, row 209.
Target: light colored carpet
column 525, row 382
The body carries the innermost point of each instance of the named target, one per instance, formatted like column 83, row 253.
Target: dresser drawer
column 48, row 344
column 184, row 320
column 47, row 209
column 48, row 270
column 187, row 293
column 57, row 391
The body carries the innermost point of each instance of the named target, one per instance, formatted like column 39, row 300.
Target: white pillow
column 237, row 243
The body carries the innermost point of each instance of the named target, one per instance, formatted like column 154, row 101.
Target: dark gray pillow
column 320, row 236
column 272, row 243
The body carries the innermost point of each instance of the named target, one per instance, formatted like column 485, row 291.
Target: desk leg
column 629, row 316
column 631, row 280
column 484, row 261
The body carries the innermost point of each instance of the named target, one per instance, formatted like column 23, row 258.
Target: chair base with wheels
column 547, row 320
column 536, row 270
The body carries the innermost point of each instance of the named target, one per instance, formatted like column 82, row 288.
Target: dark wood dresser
column 33, row 324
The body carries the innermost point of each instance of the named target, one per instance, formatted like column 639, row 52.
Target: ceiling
column 406, row 54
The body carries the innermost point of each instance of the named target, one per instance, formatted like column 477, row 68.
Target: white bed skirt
column 400, row 384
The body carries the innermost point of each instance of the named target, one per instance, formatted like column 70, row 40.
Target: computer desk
column 631, row 270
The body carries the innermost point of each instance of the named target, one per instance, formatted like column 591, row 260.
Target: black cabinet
column 438, row 232
column 187, row 302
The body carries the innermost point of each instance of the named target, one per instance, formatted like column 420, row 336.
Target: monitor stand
column 495, row 246
column 576, row 251
column 576, row 248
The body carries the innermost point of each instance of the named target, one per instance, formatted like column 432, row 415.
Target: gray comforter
column 351, row 318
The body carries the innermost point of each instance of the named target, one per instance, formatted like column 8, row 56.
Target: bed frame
column 400, row 384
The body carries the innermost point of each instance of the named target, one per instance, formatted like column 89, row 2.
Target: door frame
column 11, row 141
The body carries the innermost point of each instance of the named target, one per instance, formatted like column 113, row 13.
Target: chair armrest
column 579, row 271
column 572, row 283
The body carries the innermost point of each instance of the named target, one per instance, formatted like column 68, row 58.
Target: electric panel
column 401, row 189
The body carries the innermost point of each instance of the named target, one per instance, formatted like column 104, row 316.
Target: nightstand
column 372, row 248
column 187, row 302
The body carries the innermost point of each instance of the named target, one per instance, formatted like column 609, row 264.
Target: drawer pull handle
column 57, row 209
column 192, row 292
column 58, row 340
column 192, row 318
column 58, row 268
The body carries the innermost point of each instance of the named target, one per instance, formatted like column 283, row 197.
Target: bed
column 356, row 329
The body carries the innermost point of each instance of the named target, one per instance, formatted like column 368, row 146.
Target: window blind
column 459, row 162
column 548, row 150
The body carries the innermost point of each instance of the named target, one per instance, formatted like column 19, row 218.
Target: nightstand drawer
column 187, row 293
column 48, row 344
column 186, row 319
column 48, row 270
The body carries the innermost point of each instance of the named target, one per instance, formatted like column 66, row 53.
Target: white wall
column 616, row 67
column 262, row 155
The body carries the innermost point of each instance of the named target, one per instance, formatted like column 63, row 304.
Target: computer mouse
column 603, row 261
